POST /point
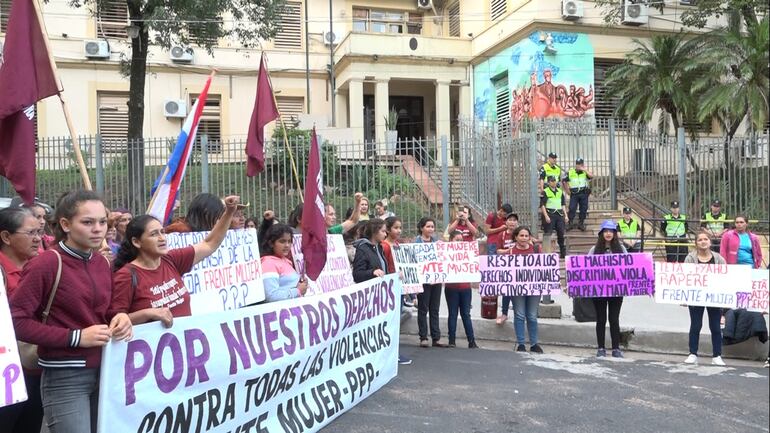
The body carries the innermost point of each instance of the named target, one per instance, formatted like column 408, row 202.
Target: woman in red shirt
column 148, row 277
column 525, row 307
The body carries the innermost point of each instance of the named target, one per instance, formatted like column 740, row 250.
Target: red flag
column 264, row 112
column 26, row 76
column 313, row 224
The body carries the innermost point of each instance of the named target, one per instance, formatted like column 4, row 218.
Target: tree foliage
column 695, row 16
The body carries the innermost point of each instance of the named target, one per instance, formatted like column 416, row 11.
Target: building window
column 604, row 107
column 112, row 19
column 384, row 21
column 290, row 23
column 290, row 107
column 112, row 120
column 210, row 124
column 497, row 8
column 5, row 12
column 454, row 20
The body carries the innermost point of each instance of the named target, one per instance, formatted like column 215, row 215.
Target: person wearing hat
column 628, row 230
column 715, row 221
column 554, row 210
column 550, row 168
column 674, row 226
column 576, row 182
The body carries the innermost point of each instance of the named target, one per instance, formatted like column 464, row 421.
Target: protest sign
column 335, row 275
column 12, row 387
column 520, row 275
column 289, row 366
column 724, row 286
column 229, row 278
column 760, row 284
column 436, row 263
column 608, row 275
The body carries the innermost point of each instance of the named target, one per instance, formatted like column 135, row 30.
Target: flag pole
column 65, row 108
column 285, row 136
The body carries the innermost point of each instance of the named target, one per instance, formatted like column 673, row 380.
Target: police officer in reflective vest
column 550, row 168
column 628, row 229
column 675, row 228
column 576, row 182
column 554, row 210
column 715, row 222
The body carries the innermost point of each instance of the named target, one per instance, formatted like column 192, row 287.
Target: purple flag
column 313, row 224
column 264, row 112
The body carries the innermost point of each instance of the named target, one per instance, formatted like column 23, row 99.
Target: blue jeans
column 459, row 300
column 696, row 323
column 506, row 305
column 525, row 307
column 70, row 399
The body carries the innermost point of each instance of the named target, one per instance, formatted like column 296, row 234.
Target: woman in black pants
column 429, row 301
column 608, row 243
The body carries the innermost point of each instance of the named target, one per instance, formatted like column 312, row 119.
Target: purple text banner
column 286, row 366
column 712, row 285
column 760, row 284
column 520, row 275
column 609, row 275
column 335, row 275
column 12, row 387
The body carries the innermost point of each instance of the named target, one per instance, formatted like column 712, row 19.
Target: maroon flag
column 265, row 112
column 313, row 224
column 26, row 76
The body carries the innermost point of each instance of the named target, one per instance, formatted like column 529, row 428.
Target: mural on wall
column 548, row 78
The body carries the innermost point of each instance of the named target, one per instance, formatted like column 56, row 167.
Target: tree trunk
column 690, row 157
column 137, row 192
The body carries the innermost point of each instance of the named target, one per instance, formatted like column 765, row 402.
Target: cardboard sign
column 609, row 275
column 436, row 263
column 229, row 278
column 520, row 275
column 724, row 286
column 335, row 275
column 12, row 387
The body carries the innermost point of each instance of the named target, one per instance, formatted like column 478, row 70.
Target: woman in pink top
column 740, row 246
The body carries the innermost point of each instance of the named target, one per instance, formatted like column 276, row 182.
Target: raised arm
column 353, row 220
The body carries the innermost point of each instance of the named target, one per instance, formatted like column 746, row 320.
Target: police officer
column 554, row 210
column 675, row 228
column 716, row 222
column 576, row 182
column 628, row 229
column 550, row 168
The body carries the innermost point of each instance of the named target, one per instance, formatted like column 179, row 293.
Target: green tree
column 696, row 16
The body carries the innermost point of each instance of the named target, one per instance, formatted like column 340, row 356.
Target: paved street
column 566, row 390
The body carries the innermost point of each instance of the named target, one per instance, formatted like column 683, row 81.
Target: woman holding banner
column 429, row 301
column 740, row 246
column 280, row 278
column 148, row 276
column 71, row 284
column 608, row 243
column 458, row 300
column 703, row 255
column 506, row 241
column 525, row 307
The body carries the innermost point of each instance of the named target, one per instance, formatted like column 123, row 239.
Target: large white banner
column 724, row 286
column 12, row 388
column 290, row 366
column 335, row 275
column 230, row 278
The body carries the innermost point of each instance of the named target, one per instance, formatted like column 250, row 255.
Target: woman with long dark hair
column 148, row 276
column 280, row 278
column 429, row 301
column 608, row 243
column 370, row 261
column 203, row 213
column 741, row 246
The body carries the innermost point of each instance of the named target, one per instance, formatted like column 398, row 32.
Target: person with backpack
column 608, row 243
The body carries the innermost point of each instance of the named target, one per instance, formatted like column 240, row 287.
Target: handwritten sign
column 436, row 263
column 335, row 275
column 229, row 278
column 12, row 387
column 289, row 366
column 520, row 275
column 608, row 275
column 760, row 284
column 724, row 286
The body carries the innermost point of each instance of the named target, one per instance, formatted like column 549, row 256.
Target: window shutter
column 112, row 19
column 604, row 107
column 210, row 123
column 503, row 104
column 113, row 120
column 454, row 20
column 290, row 34
column 290, row 107
column 497, row 8
column 5, row 12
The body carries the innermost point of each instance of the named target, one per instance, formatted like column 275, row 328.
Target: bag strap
column 134, row 283
column 53, row 289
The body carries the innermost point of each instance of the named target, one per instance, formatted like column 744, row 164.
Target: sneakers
column 536, row 349
column 438, row 343
column 717, row 360
column 501, row 319
column 521, row 348
column 691, row 359
column 408, row 303
column 472, row 345
column 601, row 353
column 403, row 360
column 424, row 342
column 451, row 343
column 616, row 353
column 767, row 363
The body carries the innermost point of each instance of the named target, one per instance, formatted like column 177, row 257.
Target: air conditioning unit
column 572, row 10
column 331, row 38
column 425, row 4
column 96, row 49
column 180, row 54
column 175, row 108
column 634, row 13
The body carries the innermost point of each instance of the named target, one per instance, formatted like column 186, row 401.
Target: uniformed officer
column 554, row 210
column 715, row 222
column 675, row 228
column 576, row 182
column 628, row 229
column 550, row 168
